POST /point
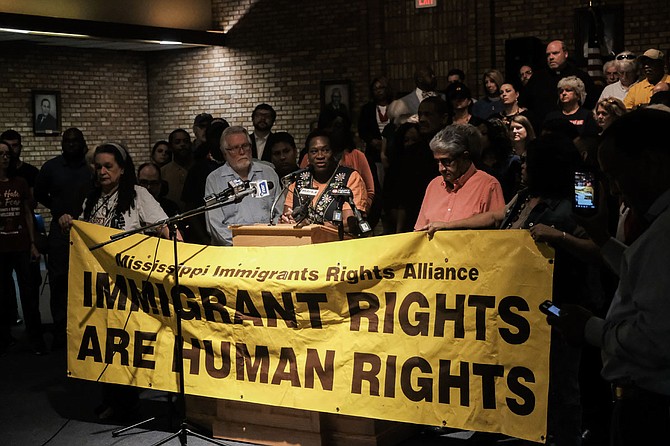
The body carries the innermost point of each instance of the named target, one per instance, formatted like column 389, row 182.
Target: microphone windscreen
column 299, row 212
column 352, row 224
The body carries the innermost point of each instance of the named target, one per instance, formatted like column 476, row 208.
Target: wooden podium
column 283, row 235
column 270, row 425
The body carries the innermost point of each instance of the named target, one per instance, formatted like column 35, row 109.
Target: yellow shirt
column 640, row 93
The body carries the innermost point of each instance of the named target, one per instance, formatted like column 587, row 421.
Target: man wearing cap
column 652, row 63
column 263, row 118
column 460, row 101
column 200, row 124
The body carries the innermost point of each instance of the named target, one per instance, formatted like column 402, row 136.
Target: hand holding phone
column 585, row 199
column 548, row 308
column 570, row 320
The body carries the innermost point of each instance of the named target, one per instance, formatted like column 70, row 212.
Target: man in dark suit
column 263, row 118
column 46, row 121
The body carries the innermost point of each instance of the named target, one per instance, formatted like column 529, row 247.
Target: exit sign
column 426, row 3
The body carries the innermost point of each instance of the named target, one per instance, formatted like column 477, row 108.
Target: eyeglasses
column 5, row 155
column 240, row 148
column 446, row 162
column 625, row 56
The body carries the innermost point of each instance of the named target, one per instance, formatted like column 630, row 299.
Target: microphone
column 235, row 187
column 291, row 177
column 340, row 194
column 238, row 189
column 343, row 193
column 363, row 225
column 300, row 212
column 261, row 188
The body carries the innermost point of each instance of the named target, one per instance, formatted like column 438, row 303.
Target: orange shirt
column 355, row 183
column 474, row 192
column 356, row 160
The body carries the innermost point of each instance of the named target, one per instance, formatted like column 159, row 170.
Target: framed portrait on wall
column 46, row 112
column 335, row 100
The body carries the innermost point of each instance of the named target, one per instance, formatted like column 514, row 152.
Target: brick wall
column 471, row 34
column 103, row 93
column 278, row 51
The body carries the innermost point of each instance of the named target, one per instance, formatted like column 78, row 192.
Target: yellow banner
column 436, row 332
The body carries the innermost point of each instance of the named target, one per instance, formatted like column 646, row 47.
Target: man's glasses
column 625, row 56
column 5, row 155
column 240, row 148
column 446, row 162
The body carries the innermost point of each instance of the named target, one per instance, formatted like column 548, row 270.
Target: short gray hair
column 626, row 64
column 455, row 139
column 232, row 131
column 576, row 84
column 608, row 64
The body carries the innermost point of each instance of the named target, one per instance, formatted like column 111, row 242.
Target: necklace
column 104, row 210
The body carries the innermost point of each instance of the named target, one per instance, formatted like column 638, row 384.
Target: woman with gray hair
column 626, row 65
column 571, row 96
column 610, row 71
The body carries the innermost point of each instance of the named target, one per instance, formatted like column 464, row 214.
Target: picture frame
column 46, row 112
column 335, row 98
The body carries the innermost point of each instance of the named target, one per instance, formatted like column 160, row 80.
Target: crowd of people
column 433, row 159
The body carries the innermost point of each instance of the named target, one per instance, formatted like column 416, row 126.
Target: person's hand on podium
column 287, row 216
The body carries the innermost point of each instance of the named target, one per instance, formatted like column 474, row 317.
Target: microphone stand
column 337, row 217
column 284, row 191
column 363, row 225
column 171, row 223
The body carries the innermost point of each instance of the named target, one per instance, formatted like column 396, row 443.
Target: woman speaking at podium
column 324, row 193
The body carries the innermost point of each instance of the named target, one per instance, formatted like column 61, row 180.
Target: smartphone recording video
column 585, row 196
